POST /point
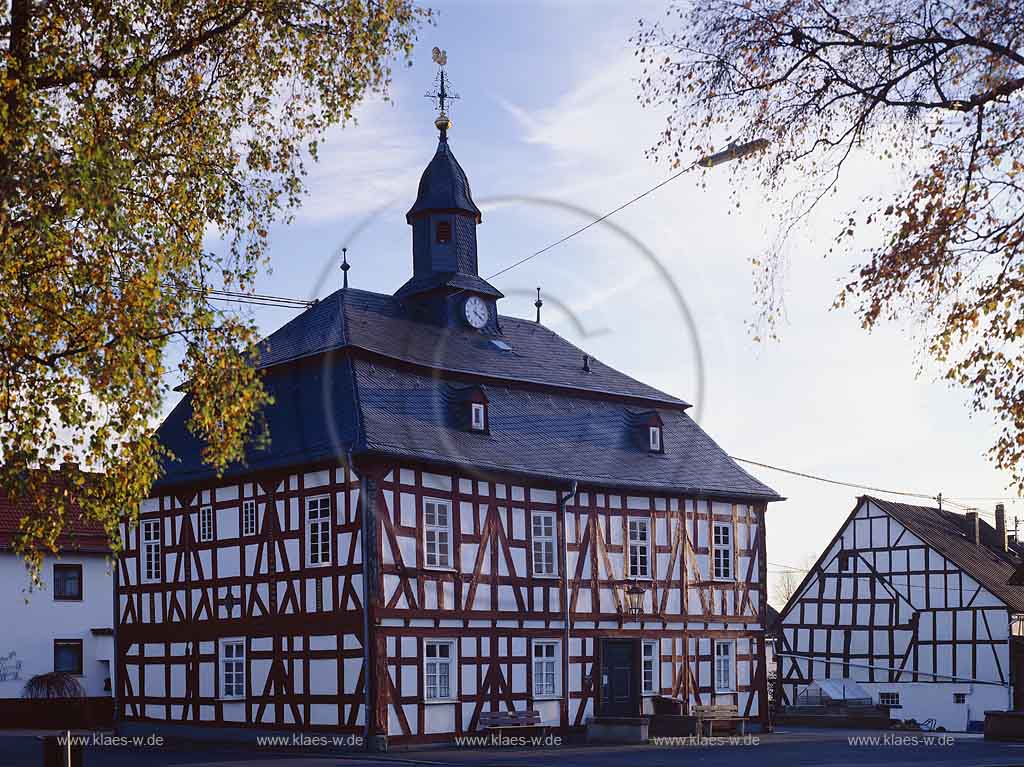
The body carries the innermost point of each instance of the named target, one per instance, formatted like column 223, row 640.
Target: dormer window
column 647, row 431
column 654, row 439
column 444, row 231
column 478, row 416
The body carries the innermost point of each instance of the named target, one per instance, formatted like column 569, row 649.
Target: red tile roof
column 79, row 534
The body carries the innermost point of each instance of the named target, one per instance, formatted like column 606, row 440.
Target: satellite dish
column 440, row 57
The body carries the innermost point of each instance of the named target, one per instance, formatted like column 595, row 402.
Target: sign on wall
column 10, row 667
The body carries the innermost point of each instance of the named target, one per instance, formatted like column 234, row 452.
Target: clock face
column 476, row 311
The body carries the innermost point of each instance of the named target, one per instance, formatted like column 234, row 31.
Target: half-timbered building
column 914, row 605
column 447, row 520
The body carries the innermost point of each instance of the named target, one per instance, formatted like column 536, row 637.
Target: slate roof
column 443, row 186
column 547, row 435
column 355, row 372
column 948, row 533
column 380, row 324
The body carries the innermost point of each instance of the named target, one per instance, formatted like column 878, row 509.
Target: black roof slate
column 354, row 372
column 444, row 186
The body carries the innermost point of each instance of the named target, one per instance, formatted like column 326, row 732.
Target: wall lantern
column 635, row 599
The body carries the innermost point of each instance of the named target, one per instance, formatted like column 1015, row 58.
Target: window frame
column 453, row 668
column 846, row 561
column 655, row 443
column 645, row 545
column 222, row 669
column 205, row 524
column 654, row 657
column 474, row 409
column 717, row 546
column 68, row 567
column 555, row 660
column 895, row 695
column 436, row 529
column 325, row 516
column 959, row 698
column 78, row 645
column 154, row 544
column 731, row 644
column 249, row 506
column 552, row 540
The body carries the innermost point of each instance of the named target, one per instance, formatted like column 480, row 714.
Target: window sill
column 641, row 577
column 231, row 700
column 440, row 569
column 440, row 701
column 546, row 576
column 68, row 599
column 319, row 564
column 547, row 697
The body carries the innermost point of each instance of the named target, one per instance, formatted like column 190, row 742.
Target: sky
column 550, row 133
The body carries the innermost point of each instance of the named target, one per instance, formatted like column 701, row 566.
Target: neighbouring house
column 916, row 605
column 458, row 512
column 64, row 625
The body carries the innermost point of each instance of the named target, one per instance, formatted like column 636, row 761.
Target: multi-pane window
column 650, row 667
column 639, row 548
column 67, row 656
column 437, row 533
column 479, row 420
column 723, row 550
column 889, row 699
column 724, row 657
column 544, row 543
column 959, row 698
column 545, row 668
column 151, row 558
column 439, row 669
column 67, row 582
column 206, row 523
column 318, row 530
column 232, row 668
column 654, row 438
column 249, row 518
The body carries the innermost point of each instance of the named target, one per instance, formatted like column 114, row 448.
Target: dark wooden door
column 620, row 678
column 1017, row 675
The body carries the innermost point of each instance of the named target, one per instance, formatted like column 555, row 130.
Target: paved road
column 791, row 748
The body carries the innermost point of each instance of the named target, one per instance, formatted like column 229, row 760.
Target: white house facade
column 65, row 625
column 913, row 604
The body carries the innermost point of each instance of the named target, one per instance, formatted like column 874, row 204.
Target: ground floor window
column 67, row 656
column 545, row 668
column 725, row 655
column 650, row 666
column 439, row 669
column 232, row 665
column 891, row 699
column 959, row 698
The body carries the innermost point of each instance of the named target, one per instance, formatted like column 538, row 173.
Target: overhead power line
column 939, row 497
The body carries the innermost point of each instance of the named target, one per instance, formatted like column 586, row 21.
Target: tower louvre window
column 444, row 231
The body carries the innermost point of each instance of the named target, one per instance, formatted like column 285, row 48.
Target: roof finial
column 345, row 266
column 538, row 303
column 441, row 95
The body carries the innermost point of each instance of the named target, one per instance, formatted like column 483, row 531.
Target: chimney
column 972, row 527
column 1001, row 525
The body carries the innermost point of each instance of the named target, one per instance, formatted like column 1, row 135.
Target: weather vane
column 441, row 95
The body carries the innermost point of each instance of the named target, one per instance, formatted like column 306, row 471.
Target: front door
column 620, row 678
column 1017, row 675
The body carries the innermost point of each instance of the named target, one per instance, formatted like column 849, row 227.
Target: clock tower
column 446, row 287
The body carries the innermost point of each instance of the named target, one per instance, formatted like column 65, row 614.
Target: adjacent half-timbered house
column 915, row 605
column 448, row 518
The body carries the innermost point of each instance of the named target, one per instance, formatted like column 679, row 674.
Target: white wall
column 33, row 619
column 921, row 701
